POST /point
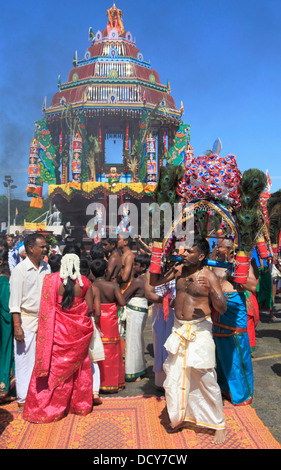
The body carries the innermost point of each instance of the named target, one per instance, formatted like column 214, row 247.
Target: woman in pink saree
column 62, row 380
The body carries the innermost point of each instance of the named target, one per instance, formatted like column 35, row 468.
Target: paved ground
column 267, row 372
column 266, row 365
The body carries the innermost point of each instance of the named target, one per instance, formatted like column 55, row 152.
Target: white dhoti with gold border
column 136, row 312
column 191, row 390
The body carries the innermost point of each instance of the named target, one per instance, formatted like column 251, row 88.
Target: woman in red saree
column 62, row 379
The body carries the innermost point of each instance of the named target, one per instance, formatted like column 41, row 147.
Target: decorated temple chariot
column 107, row 129
column 113, row 129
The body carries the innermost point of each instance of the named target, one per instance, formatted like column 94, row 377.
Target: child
column 96, row 350
column 135, row 313
column 112, row 372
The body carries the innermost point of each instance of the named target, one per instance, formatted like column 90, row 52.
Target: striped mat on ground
column 130, row 423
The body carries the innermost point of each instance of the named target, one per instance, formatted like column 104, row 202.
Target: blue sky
column 221, row 57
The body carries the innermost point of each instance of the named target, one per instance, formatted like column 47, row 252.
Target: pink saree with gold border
column 62, row 380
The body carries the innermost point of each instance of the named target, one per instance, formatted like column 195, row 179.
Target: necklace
column 191, row 278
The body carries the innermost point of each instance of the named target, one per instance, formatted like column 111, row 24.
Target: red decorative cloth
column 156, row 257
column 166, row 306
column 253, row 318
column 62, row 379
column 112, row 370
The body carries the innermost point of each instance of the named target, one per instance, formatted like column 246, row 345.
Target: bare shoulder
column 113, row 283
column 214, row 280
column 130, row 256
column 209, row 273
column 114, row 257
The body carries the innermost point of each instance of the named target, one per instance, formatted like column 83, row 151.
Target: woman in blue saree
column 233, row 352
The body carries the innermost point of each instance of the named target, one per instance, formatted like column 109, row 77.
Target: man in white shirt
column 25, row 293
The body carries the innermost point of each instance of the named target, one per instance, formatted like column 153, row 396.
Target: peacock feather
column 253, row 183
column 169, row 178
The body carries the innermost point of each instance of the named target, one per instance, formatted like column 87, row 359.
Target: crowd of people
column 72, row 327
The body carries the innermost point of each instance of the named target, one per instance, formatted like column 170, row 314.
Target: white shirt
column 13, row 258
column 25, row 291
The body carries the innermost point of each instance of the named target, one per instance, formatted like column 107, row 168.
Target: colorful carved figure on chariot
column 76, row 159
column 115, row 19
column 113, row 177
column 112, row 95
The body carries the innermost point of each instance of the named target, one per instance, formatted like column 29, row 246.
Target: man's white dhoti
column 136, row 312
column 191, row 390
column 24, row 363
column 96, row 349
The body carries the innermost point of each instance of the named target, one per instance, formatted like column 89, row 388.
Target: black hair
column 128, row 238
column 255, row 268
column 79, row 243
column 30, row 241
column 4, row 266
column 81, row 246
column 68, row 294
column 4, row 243
column 54, row 261
column 143, row 259
column 84, row 266
column 71, row 248
column 130, row 241
column 97, row 251
column 98, row 267
column 202, row 246
column 112, row 241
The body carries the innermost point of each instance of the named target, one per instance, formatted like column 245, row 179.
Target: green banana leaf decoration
column 47, row 153
column 85, row 174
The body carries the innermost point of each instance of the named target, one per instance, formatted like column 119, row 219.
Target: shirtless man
column 197, row 288
column 127, row 256
column 136, row 312
column 137, row 286
column 191, row 390
column 114, row 259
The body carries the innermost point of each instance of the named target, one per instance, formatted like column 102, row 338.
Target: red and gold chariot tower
column 107, row 129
